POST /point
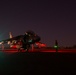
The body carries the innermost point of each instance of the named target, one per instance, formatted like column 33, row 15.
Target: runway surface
column 41, row 50
column 38, row 62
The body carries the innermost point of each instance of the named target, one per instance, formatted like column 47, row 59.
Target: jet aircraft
column 22, row 41
column 39, row 44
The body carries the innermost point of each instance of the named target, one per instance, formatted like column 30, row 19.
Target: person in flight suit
column 56, row 45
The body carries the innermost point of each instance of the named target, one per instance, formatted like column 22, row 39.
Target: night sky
column 51, row 20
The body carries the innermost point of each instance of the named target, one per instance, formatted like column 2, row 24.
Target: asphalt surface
column 37, row 63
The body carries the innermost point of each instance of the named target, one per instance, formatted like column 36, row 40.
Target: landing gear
column 26, row 50
column 26, row 47
column 19, row 50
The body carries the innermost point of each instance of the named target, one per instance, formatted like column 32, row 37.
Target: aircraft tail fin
column 10, row 35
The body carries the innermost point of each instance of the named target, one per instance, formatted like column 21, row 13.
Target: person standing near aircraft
column 56, row 45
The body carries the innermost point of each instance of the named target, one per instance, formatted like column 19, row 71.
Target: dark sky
column 51, row 20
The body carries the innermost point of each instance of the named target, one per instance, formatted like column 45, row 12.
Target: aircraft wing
column 11, row 39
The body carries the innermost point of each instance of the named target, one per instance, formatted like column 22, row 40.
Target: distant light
column 30, row 41
column 55, row 46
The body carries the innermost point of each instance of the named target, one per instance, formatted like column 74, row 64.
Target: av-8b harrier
column 22, row 41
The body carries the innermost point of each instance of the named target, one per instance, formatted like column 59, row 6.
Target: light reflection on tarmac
column 40, row 50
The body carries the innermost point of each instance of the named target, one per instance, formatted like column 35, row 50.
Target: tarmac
column 37, row 63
